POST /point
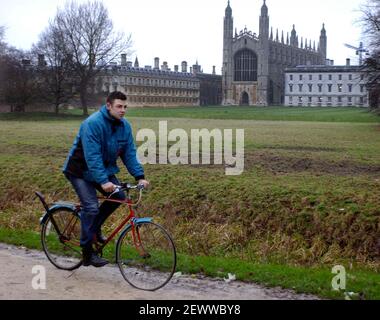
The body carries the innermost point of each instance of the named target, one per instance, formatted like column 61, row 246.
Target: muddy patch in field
column 34, row 150
column 281, row 165
column 303, row 148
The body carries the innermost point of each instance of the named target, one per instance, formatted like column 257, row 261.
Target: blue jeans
column 93, row 216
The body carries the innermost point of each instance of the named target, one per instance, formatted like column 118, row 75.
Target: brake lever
column 117, row 190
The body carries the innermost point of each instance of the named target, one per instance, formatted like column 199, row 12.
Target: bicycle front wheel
column 146, row 256
column 60, row 237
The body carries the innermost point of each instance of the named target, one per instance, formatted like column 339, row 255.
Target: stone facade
column 160, row 86
column 326, row 86
column 253, row 65
column 149, row 86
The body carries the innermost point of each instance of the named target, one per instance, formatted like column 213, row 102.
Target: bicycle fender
column 137, row 221
column 56, row 207
column 143, row 220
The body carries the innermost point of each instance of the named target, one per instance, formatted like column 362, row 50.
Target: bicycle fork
column 138, row 243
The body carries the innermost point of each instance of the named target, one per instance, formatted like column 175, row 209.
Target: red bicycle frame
column 130, row 218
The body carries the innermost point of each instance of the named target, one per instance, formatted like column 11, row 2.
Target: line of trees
column 17, row 87
column 73, row 49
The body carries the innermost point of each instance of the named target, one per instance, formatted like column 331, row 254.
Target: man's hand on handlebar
column 109, row 187
column 144, row 183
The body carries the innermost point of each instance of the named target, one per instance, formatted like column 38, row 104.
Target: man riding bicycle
column 92, row 165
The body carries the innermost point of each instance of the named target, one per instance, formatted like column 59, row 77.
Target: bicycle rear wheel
column 60, row 237
column 146, row 256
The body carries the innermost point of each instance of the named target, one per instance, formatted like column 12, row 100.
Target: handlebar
column 128, row 187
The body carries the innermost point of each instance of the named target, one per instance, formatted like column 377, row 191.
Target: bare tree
column 17, row 82
column 54, row 71
column 2, row 53
column 17, row 76
column 90, row 41
column 2, row 43
column 371, row 24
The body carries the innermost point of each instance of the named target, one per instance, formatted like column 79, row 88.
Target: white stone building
column 325, row 86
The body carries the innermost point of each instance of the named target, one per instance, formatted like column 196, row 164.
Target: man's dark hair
column 116, row 96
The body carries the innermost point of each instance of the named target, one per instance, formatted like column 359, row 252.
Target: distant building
column 211, row 93
column 326, row 86
column 150, row 86
column 160, row 86
column 254, row 64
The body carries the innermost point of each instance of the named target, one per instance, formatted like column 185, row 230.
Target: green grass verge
column 349, row 114
column 341, row 114
column 314, row 280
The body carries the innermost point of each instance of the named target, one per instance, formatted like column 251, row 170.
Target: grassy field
column 271, row 113
column 342, row 114
column 309, row 198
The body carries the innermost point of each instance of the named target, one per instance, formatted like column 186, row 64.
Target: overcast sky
column 177, row 30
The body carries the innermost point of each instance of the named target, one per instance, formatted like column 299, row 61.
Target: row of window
column 161, row 82
column 160, row 91
column 302, row 77
column 151, row 91
column 160, row 100
column 340, row 99
column 329, row 87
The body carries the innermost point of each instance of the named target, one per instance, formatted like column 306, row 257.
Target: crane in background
column 359, row 51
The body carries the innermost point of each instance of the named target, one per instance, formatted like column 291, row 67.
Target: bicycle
column 145, row 251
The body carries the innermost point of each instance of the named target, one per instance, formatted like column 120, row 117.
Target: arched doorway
column 244, row 101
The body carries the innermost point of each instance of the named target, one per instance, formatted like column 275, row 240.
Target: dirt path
column 107, row 283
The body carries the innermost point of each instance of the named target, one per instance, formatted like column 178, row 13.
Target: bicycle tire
column 62, row 246
column 151, row 266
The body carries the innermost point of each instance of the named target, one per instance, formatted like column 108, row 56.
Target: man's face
column 117, row 109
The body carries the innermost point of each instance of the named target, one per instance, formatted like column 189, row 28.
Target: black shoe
column 94, row 260
column 100, row 238
column 90, row 258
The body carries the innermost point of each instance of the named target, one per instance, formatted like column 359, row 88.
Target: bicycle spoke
column 60, row 238
column 146, row 257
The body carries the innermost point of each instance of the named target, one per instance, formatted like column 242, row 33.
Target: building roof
column 145, row 71
column 324, row 68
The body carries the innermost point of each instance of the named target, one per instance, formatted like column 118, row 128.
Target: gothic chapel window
column 245, row 66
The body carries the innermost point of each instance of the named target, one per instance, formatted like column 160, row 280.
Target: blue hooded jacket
column 99, row 143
